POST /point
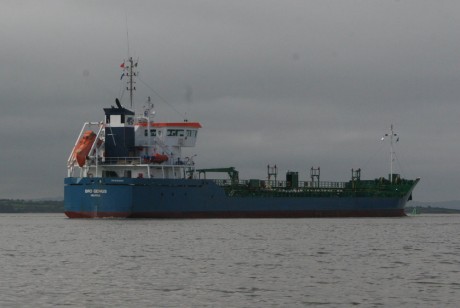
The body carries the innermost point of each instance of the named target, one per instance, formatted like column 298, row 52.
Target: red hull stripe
column 96, row 214
column 242, row 214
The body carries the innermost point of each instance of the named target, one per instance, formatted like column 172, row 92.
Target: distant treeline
column 29, row 206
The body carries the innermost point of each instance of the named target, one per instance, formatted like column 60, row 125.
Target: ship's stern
column 94, row 198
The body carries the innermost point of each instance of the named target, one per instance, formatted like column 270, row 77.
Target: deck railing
column 120, row 161
column 134, row 161
column 285, row 184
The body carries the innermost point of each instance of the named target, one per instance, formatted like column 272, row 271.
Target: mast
column 392, row 136
column 148, row 110
column 130, row 72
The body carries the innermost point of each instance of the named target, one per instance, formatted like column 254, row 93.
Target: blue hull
column 172, row 198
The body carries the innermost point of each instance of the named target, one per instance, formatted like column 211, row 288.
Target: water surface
column 49, row 260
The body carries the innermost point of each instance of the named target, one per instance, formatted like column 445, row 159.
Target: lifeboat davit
column 159, row 158
column 81, row 150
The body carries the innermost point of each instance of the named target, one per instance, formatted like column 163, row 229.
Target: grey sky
column 292, row 83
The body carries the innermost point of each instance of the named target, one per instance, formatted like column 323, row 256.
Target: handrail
column 283, row 184
column 136, row 161
column 310, row 186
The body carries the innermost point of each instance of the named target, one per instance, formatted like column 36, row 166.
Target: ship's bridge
column 170, row 134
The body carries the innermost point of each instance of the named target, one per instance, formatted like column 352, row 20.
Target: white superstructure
column 133, row 146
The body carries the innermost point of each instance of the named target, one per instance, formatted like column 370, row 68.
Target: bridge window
column 175, row 132
column 153, row 132
column 191, row 133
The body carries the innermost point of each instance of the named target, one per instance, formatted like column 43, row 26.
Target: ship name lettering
column 95, row 191
column 100, row 191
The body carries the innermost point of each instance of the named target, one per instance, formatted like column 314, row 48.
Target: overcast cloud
column 292, row 83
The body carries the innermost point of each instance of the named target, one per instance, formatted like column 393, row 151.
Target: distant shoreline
column 30, row 206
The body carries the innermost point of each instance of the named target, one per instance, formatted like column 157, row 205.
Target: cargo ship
column 131, row 166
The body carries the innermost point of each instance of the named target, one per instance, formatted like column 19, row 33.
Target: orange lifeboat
column 81, row 150
column 159, row 158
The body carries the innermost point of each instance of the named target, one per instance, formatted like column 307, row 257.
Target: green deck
column 292, row 187
column 368, row 188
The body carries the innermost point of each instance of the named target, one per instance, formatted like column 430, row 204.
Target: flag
column 122, row 65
